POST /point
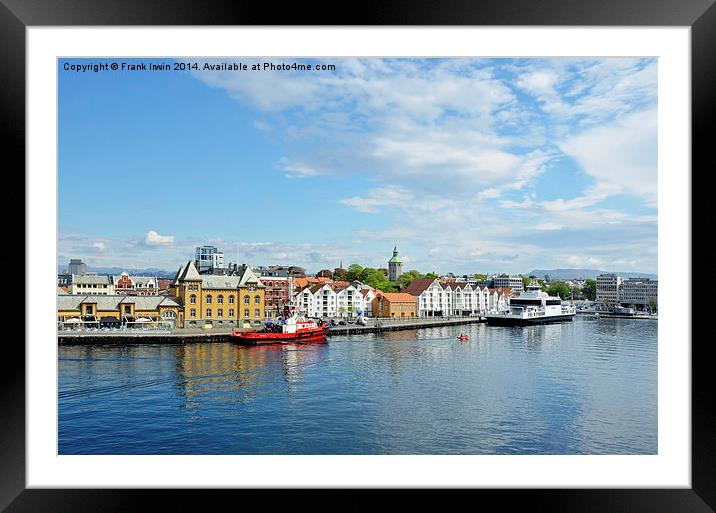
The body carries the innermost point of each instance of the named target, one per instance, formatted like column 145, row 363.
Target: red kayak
column 294, row 330
column 463, row 338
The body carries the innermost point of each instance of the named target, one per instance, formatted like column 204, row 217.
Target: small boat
column 463, row 338
column 293, row 330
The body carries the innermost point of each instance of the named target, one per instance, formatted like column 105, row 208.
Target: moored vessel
column 293, row 330
column 533, row 307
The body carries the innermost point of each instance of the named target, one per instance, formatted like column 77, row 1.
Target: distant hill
column 584, row 274
column 115, row 271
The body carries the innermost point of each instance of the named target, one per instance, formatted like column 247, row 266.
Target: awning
column 74, row 320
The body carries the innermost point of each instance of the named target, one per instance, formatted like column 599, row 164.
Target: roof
column 212, row 281
column 89, row 279
column 109, row 303
column 250, row 277
column 398, row 297
column 190, row 272
column 418, row 286
column 175, row 281
column 139, row 281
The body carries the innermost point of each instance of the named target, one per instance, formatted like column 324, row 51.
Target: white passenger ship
column 533, row 307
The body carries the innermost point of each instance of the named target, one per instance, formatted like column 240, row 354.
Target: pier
column 188, row 336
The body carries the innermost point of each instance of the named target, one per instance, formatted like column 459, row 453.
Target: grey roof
column 211, row 281
column 109, row 303
column 88, row 279
column 69, row 302
column 175, row 281
column 190, row 272
column 250, row 277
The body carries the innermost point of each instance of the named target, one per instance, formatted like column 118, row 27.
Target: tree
column 433, row 276
column 652, row 305
column 558, row 288
column 589, row 289
column 546, row 277
column 353, row 273
column 526, row 281
column 407, row 278
column 480, row 277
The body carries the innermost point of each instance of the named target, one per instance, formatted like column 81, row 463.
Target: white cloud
column 152, row 238
column 99, row 246
column 393, row 195
column 620, row 156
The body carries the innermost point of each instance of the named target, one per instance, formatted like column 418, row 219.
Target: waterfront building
column 334, row 299
column 77, row 267
column 608, row 287
column 91, row 284
column 395, row 266
column 219, row 301
column 395, row 305
column 208, row 258
column 277, row 295
column 514, row 283
column 135, row 285
column 467, row 299
column 498, row 299
column 432, row 299
column 117, row 310
column 640, row 292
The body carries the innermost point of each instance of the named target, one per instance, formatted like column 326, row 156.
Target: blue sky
column 468, row 165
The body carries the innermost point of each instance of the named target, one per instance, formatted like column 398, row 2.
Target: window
column 257, row 300
column 246, row 300
column 231, row 312
column 257, row 313
column 231, row 300
column 192, row 312
column 220, row 312
column 127, row 309
column 208, row 300
column 246, row 312
column 192, row 299
column 220, row 300
column 208, row 312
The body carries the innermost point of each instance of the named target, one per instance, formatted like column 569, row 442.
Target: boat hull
column 252, row 338
column 504, row 320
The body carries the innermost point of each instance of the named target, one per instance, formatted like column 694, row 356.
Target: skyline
column 542, row 163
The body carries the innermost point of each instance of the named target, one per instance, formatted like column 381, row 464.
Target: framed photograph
column 361, row 256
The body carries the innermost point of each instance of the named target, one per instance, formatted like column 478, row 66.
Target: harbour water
column 584, row 387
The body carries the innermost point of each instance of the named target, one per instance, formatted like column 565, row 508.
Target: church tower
column 395, row 266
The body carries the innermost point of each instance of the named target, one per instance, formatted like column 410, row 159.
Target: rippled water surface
column 587, row 387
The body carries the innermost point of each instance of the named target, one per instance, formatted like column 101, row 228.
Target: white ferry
column 533, row 307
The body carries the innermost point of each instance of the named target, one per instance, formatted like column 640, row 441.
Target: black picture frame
column 700, row 15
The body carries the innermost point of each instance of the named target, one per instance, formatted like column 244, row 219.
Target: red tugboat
column 294, row 330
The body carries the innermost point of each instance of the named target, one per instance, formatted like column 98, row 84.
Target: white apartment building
column 639, row 291
column 467, row 299
column 608, row 286
column 91, row 284
column 498, row 299
column 514, row 283
column 331, row 300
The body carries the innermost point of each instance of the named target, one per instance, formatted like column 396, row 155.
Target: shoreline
column 176, row 337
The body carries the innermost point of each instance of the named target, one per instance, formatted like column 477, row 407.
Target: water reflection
column 576, row 388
